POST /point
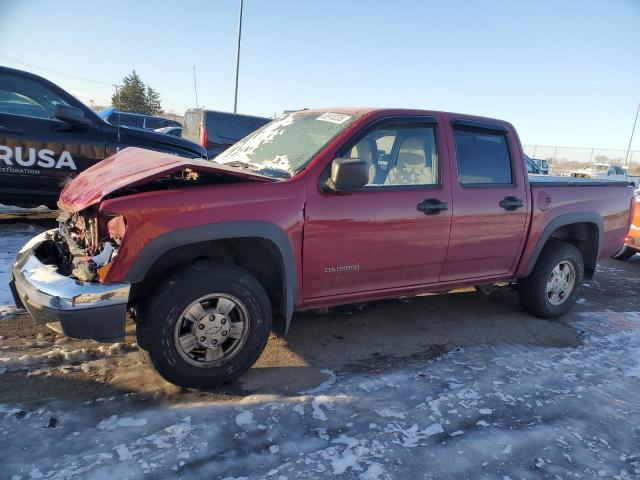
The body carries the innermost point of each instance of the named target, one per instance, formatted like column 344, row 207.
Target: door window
column 25, row 97
column 483, row 158
column 398, row 156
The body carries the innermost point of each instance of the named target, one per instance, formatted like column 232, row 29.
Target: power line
column 50, row 70
column 78, row 77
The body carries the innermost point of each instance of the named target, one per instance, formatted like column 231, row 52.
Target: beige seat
column 411, row 167
column 367, row 150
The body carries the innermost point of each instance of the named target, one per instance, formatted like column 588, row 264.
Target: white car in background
column 603, row 171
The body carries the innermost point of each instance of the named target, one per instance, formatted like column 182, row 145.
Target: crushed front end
column 58, row 276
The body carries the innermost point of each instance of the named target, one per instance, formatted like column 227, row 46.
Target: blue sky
column 563, row 72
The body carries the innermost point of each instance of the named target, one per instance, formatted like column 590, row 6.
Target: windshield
column 598, row 168
column 284, row 146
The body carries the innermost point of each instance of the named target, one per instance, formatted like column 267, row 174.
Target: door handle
column 432, row 206
column 511, row 203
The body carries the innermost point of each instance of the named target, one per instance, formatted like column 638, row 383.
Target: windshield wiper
column 267, row 171
column 274, row 172
column 239, row 164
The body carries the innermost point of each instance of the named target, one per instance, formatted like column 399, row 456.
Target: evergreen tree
column 136, row 97
column 153, row 101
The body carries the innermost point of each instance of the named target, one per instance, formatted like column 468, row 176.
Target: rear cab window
column 482, row 156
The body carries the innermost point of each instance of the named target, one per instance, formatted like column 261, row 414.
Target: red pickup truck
column 317, row 208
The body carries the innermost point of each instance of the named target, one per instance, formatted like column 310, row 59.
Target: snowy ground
column 11, row 235
column 508, row 411
column 507, row 406
column 14, row 210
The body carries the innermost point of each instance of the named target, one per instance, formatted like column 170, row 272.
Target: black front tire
column 532, row 291
column 165, row 305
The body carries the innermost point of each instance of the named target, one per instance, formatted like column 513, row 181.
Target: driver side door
column 381, row 237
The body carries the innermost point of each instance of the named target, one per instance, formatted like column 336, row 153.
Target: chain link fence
column 561, row 158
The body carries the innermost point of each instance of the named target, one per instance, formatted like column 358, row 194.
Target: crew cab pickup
column 317, row 208
column 47, row 136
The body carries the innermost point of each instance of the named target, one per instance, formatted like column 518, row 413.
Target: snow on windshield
column 287, row 143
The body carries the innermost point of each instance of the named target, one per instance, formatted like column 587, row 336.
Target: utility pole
column 235, row 98
column 626, row 158
column 195, row 84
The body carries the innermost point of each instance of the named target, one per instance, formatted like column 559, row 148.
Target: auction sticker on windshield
column 333, row 117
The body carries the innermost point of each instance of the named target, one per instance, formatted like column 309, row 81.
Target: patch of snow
column 115, row 422
column 373, row 472
column 388, row 413
column 12, row 209
column 244, row 418
column 58, row 358
column 324, row 386
column 318, row 413
column 244, row 150
column 124, row 455
column 12, row 238
column 44, row 273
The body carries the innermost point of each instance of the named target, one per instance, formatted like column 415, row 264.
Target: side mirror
column 348, row 174
column 70, row 114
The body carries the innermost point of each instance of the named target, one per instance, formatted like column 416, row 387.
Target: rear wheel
column 551, row 289
column 206, row 325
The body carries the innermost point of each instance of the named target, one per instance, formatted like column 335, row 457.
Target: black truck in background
column 47, row 136
column 216, row 131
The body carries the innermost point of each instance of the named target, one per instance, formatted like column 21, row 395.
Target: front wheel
column 206, row 325
column 551, row 289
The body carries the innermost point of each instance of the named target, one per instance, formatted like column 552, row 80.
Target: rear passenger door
column 490, row 202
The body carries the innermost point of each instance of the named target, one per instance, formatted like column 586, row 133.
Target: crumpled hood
column 131, row 167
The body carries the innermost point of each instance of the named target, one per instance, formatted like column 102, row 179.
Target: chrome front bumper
column 84, row 310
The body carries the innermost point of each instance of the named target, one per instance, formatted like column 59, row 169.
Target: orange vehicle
column 632, row 240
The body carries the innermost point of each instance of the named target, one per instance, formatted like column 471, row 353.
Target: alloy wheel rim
column 561, row 283
column 211, row 330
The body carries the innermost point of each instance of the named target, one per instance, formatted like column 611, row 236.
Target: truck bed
column 557, row 180
column 595, row 202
